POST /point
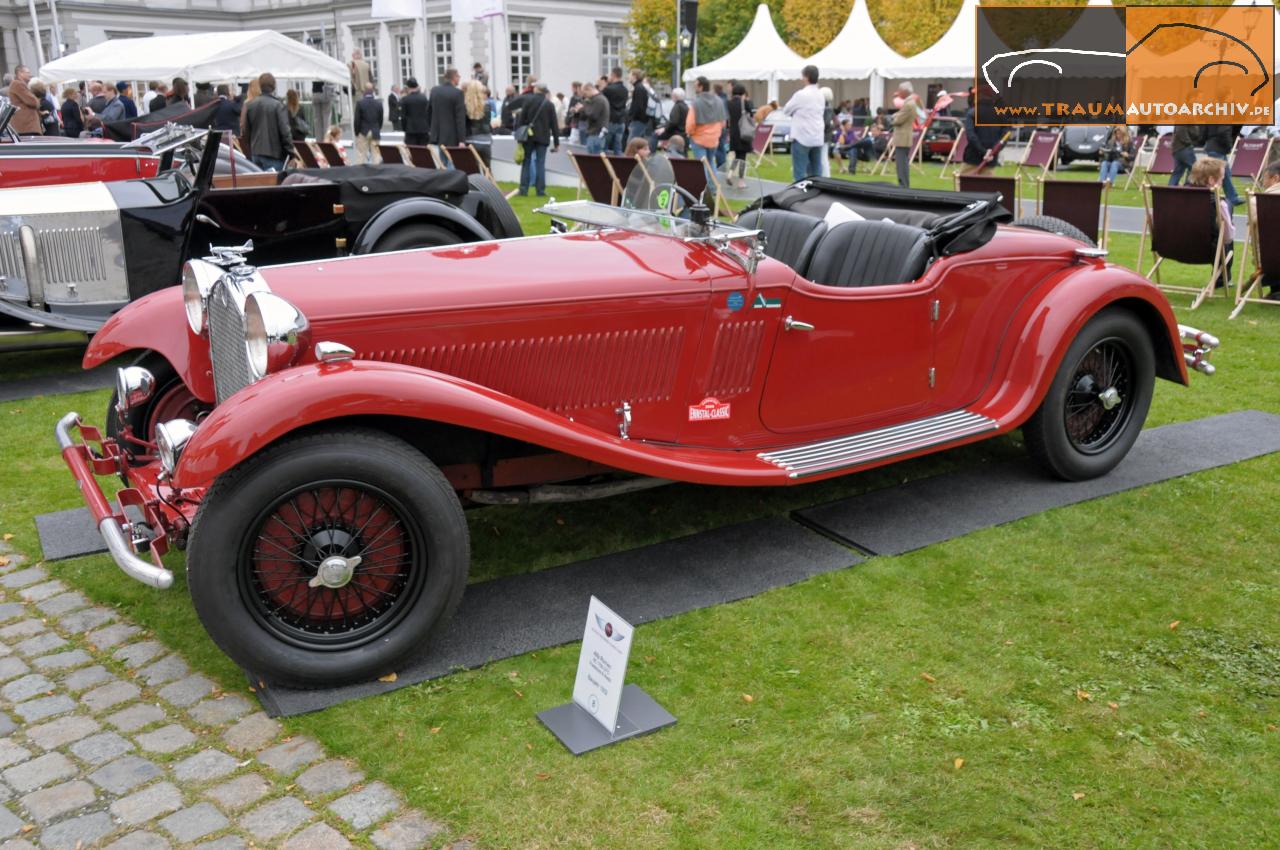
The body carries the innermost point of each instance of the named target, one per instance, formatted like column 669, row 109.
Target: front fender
column 262, row 413
column 1053, row 315
column 421, row 209
column 156, row 322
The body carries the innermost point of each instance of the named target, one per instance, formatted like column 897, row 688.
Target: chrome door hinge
column 624, row 420
column 933, row 376
column 934, row 309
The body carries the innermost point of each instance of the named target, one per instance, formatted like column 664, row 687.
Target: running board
column 842, row 452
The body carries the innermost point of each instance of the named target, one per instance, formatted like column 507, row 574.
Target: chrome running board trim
column 843, row 452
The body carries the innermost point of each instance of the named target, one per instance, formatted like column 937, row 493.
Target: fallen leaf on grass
column 542, row 777
column 1271, row 727
column 528, row 747
column 1114, row 706
column 1084, row 696
column 559, row 521
column 390, row 677
column 928, row 678
column 1174, row 625
column 435, row 730
column 518, row 693
column 959, row 763
column 1077, row 795
column 649, row 659
column 748, row 698
column 7, row 537
column 4, row 560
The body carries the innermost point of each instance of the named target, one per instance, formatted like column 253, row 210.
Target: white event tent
column 949, row 58
column 761, row 55
column 857, row 53
column 200, row 57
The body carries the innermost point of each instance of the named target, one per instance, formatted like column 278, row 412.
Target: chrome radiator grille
column 226, row 343
column 72, row 254
column 12, row 266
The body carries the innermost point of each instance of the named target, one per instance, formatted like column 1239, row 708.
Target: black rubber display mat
column 931, row 510
column 72, row 382
column 68, row 534
column 519, row 614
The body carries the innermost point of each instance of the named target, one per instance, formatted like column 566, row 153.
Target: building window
column 610, row 49
column 367, row 44
column 523, row 50
column 441, row 51
column 403, row 42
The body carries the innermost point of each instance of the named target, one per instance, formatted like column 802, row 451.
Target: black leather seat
column 870, row 253
column 790, row 237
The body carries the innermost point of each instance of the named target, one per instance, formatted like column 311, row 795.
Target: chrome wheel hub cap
column 335, row 571
column 1109, row 397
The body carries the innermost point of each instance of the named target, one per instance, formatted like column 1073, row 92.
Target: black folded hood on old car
column 364, row 189
column 924, row 208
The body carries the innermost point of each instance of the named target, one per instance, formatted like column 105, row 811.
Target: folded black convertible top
column 919, row 207
column 365, row 189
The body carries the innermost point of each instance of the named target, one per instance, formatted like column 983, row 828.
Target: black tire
column 415, row 234
column 170, row 400
column 1049, row 224
column 248, row 559
column 1074, row 435
column 501, row 219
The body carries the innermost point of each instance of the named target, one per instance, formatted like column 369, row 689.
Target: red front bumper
column 155, row 521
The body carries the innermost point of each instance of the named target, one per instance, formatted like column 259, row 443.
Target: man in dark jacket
column 125, row 89
column 594, row 128
column 415, row 114
column 72, row 115
column 393, row 108
column 266, row 124
column 226, row 115
column 510, row 108
column 1218, row 142
column 1185, row 139
column 367, row 125
column 676, row 120
column 539, row 115
column 616, row 93
column 98, row 97
column 639, row 125
column 448, row 111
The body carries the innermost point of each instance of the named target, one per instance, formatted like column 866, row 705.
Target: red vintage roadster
column 322, row 425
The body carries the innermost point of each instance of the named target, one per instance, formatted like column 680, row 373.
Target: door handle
column 790, row 324
column 204, row 219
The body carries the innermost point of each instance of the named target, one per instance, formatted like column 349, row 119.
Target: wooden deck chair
column 392, row 154
column 595, row 175
column 422, row 156
column 881, row 165
column 621, row 167
column 1006, row 187
column 955, row 156
column 332, row 154
column 307, row 155
column 1249, row 158
column 1161, row 161
column 696, row 177
column 1083, row 203
column 762, row 143
column 1141, row 158
column 1041, row 153
column 1182, row 225
column 466, row 159
column 917, row 150
column 1263, row 235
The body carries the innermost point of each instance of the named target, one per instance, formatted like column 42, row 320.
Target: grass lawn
column 1018, row 687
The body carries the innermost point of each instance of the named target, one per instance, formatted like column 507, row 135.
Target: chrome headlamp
column 134, row 386
column 171, row 439
column 274, row 333
column 198, row 278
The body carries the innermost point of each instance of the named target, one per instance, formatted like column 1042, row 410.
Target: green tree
column 723, row 23
column 812, row 24
column 645, row 20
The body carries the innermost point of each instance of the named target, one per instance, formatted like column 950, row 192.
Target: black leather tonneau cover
column 365, row 189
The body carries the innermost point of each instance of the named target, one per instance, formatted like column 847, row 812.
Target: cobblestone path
column 108, row 740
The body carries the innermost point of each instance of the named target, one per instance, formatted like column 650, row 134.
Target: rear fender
column 1050, row 319
column 425, row 210
column 309, row 395
column 156, row 322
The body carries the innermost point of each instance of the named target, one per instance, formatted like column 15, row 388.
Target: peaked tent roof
column 950, row 57
column 761, row 55
column 857, row 51
column 200, row 57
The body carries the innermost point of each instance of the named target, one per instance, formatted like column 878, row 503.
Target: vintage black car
column 72, row 255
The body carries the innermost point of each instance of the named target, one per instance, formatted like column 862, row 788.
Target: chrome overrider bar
column 1197, row 348
column 79, row 459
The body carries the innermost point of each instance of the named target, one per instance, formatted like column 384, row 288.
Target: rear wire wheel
column 328, row 558
column 1098, row 400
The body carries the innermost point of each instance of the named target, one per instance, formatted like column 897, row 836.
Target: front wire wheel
column 1098, row 401
column 328, row 558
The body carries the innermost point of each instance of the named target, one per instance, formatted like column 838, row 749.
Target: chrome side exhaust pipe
column 1201, row 339
column 1195, row 360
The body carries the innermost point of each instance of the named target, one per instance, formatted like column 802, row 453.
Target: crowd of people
column 81, row 111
